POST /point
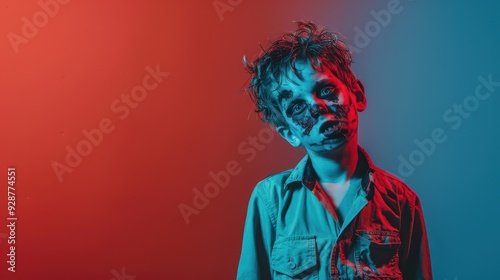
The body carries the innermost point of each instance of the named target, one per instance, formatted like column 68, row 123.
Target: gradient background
column 119, row 207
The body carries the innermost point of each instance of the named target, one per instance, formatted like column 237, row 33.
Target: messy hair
column 309, row 42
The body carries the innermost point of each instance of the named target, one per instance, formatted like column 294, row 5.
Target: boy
column 335, row 215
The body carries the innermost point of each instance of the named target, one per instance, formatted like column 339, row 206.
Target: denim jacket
column 289, row 234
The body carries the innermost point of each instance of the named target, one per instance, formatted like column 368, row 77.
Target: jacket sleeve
column 258, row 237
column 418, row 262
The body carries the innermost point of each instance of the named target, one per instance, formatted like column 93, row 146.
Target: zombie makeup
column 328, row 100
column 305, row 120
column 298, row 111
column 285, row 94
column 306, row 116
column 334, row 102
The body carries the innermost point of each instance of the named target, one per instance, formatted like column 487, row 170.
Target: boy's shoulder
column 275, row 181
column 274, row 188
column 280, row 181
column 391, row 185
column 387, row 183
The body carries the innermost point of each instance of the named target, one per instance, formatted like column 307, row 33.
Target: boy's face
column 320, row 110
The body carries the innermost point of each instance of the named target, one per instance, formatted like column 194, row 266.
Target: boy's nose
column 318, row 109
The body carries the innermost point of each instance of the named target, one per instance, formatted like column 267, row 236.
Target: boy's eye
column 327, row 92
column 298, row 108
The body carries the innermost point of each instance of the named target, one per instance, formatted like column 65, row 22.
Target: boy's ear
column 287, row 134
column 359, row 92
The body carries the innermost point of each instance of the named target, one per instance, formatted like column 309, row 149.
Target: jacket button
column 292, row 264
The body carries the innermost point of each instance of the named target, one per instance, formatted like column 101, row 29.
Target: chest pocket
column 377, row 254
column 295, row 257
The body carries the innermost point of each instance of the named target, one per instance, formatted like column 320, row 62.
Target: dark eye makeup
column 328, row 92
column 296, row 107
column 324, row 90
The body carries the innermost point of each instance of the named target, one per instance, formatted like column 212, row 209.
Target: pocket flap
column 294, row 255
column 380, row 237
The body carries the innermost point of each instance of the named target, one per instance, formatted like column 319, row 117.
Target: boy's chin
column 332, row 147
column 329, row 148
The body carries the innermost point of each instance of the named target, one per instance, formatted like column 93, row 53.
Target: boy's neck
column 337, row 167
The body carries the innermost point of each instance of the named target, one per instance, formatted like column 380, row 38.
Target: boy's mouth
column 330, row 128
